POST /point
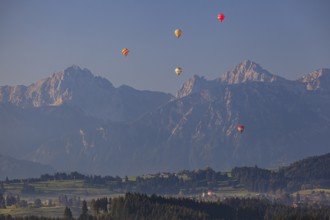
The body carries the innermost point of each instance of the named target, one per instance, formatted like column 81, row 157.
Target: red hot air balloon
column 240, row 128
column 221, row 17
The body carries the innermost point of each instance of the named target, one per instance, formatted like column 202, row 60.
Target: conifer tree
column 67, row 213
column 84, row 208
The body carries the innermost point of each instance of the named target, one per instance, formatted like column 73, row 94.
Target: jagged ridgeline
column 74, row 120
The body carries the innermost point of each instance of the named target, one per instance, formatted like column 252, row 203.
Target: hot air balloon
column 240, row 128
column 177, row 32
column 221, row 17
column 178, row 70
column 125, row 51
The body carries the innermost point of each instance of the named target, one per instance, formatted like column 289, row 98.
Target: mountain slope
column 63, row 104
column 19, row 169
column 284, row 122
column 23, row 130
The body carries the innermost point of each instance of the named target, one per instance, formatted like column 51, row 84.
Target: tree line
column 189, row 182
column 141, row 206
column 313, row 172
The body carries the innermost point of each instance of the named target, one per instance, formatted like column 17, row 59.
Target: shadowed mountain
column 19, row 169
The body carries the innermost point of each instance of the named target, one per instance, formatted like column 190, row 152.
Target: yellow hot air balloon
column 178, row 70
column 178, row 32
column 125, row 51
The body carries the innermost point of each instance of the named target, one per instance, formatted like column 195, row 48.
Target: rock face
column 317, row 80
column 284, row 121
column 79, row 88
column 248, row 71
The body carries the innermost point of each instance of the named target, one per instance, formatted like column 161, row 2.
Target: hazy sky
column 289, row 38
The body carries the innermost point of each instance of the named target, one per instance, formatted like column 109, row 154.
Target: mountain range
column 75, row 121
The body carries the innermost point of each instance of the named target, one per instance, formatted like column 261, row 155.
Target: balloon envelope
column 221, row 17
column 125, row 51
column 177, row 32
column 240, row 128
column 178, row 70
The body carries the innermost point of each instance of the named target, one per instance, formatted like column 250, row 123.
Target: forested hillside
column 312, row 172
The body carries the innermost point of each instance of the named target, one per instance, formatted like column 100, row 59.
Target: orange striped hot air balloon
column 125, row 51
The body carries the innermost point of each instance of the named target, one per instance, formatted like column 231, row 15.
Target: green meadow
column 50, row 192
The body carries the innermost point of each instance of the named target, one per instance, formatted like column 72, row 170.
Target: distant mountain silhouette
column 17, row 169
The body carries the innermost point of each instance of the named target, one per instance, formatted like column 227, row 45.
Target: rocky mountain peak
column 193, row 85
column 71, row 74
column 248, row 71
column 317, row 80
column 74, row 84
column 61, row 87
column 75, row 77
column 76, row 71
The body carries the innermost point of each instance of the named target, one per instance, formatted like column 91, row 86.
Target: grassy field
column 56, row 211
column 53, row 189
column 230, row 192
column 312, row 191
column 59, row 187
